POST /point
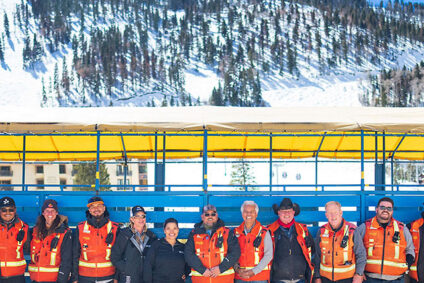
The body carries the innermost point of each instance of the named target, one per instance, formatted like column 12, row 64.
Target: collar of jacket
column 98, row 224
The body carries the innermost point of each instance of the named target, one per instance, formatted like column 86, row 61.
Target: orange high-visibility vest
column 377, row 243
column 337, row 263
column 415, row 232
column 45, row 260
column 302, row 232
column 94, row 260
column 210, row 256
column 12, row 262
column 251, row 256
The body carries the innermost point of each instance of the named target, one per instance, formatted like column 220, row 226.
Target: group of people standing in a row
column 379, row 250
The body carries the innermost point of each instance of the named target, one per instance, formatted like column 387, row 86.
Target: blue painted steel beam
column 270, row 161
column 316, row 160
column 205, row 161
column 125, row 161
column 98, row 164
column 23, row 161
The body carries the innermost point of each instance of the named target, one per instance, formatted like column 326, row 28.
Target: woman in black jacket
column 131, row 247
column 165, row 259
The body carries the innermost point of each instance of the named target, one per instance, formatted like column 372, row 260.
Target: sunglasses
column 388, row 208
column 140, row 216
column 7, row 210
column 210, row 214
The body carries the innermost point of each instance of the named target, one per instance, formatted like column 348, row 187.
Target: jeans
column 373, row 280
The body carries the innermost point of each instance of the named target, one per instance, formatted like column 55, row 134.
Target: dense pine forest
column 120, row 49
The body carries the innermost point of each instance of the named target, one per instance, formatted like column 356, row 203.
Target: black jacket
column 127, row 257
column 194, row 262
column 165, row 263
column 77, row 248
column 289, row 261
column 65, row 267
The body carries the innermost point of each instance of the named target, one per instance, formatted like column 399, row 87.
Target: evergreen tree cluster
column 144, row 47
column 397, row 88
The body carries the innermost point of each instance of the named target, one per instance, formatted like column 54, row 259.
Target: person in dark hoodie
column 131, row 247
column 211, row 250
column 165, row 261
column 51, row 246
column 93, row 242
column 13, row 240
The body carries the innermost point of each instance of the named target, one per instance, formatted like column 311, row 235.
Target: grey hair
column 249, row 202
column 333, row 203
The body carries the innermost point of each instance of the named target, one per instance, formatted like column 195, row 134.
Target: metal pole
column 164, row 160
column 362, row 162
column 384, row 159
column 156, row 158
column 316, row 161
column 98, row 164
column 393, row 156
column 270, row 161
column 205, row 160
column 23, row 161
column 125, row 162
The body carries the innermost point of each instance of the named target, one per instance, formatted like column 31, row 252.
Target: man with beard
column 211, row 250
column 388, row 243
column 93, row 242
column 13, row 237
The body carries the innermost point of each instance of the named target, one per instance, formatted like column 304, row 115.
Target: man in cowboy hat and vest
column 211, row 250
column 293, row 246
column 416, row 272
column 93, row 242
column 341, row 254
column 388, row 244
column 13, row 238
column 254, row 264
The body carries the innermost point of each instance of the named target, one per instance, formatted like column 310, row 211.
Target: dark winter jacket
column 194, row 262
column 165, row 263
column 128, row 257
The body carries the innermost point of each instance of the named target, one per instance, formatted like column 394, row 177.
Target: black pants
column 325, row 280
column 14, row 279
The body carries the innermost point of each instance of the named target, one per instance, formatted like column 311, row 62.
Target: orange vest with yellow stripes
column 12, row 260
column 415, row 232
column 94, row 260
column 337, row 263
column 210, row 255
column 377, row 243
column 45, row 259
column 250, row 255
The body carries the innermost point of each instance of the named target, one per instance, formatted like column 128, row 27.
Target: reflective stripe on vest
column 388, row 263
column 53, row 254
column 43, row 269
column 95, row 265
column 109, row 246
column 304, row 236
column 18, row 253
column 338, row 269
column 86, row 228
column 227, row 272
column 13, row 263
column 396, row 229
column 257, row 259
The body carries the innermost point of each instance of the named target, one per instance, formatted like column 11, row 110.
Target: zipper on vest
column 384, row 247
column 332, row 260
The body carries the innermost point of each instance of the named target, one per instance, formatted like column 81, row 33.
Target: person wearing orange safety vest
column 211, row 250
column 388, row 244
column 13, row 238
column 341, row 255
column 416, row 228
column 93, row 243
column 51, row 246
column 256, row 248
column 294, row 246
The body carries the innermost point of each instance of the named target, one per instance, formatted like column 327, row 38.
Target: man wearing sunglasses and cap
column 293, row 246
column 13, row 237
column 93, row 242
column 211, row 250
column 388, row 243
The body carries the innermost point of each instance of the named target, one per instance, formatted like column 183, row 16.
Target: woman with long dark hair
column 51, row 246
column 165, row 261
column 131, row 247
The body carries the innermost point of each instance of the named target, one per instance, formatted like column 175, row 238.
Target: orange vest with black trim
column 377, row 243
column 337, row 263
column 94, row 260
column 210, row 255
column 251, row 256
column 415, row 232
column 45, row 260
column 302, row 232
column 12, row 262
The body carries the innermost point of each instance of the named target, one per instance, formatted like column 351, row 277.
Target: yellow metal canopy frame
column 287, row 133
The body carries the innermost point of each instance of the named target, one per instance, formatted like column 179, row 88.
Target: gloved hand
column 410, row 260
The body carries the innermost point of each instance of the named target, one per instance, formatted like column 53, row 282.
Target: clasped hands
column 212, row 272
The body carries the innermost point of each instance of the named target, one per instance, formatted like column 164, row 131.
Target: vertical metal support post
column 316, row 161
column 270, row 161
column 156, row 157
column 98, row 164
column 23, row 161
column 391, row 172
column 125, row 162
column 164, row 159
column 376, row 148
column 205, row 160
column 362, row 199
column 384, row 158
column 393, row 156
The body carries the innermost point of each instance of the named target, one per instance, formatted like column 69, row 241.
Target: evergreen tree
column 86, row 175
column 6, row 25
column 1, row 52
column 242, row 174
